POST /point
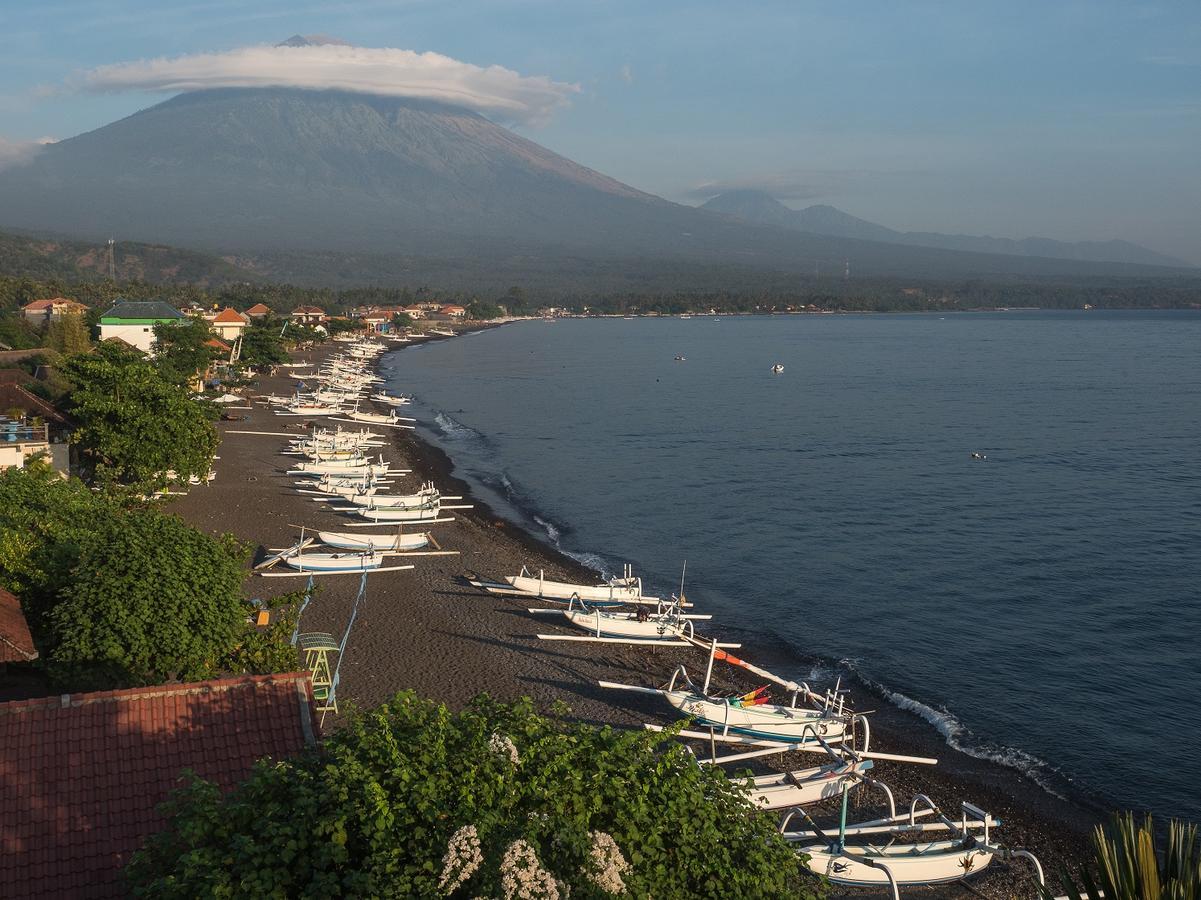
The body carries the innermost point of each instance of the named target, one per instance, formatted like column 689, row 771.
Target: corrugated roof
column 16, row 643
column 82, row 774
column 142, row 309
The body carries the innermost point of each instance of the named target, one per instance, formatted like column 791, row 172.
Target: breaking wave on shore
column 959, row 737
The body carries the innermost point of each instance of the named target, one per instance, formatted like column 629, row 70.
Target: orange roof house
column 229, row 323
column 453, row 311
column 258, row 311
column 309, row 315
column 83, row 774
column 42, row 311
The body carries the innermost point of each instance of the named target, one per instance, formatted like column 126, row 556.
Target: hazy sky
column 1070, row 120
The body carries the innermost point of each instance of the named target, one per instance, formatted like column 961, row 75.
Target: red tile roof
column 230, row 316
column 259, row 309
column 81, row 774
column 16, row 643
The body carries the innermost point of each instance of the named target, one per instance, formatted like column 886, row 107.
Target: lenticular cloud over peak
column 492, row 90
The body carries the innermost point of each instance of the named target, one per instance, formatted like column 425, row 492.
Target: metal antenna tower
column 112, row 262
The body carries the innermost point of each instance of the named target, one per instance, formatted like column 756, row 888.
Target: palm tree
column 1129, row 867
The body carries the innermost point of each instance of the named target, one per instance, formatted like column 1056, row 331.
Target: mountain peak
column 312, row 40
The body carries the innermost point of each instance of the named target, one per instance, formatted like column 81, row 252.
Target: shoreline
column 424, row 629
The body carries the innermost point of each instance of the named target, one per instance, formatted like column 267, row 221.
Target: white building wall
column 140, row 336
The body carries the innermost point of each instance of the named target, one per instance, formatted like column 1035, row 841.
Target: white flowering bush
column 412, row 800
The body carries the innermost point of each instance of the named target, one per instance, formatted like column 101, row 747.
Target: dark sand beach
column 427, row 630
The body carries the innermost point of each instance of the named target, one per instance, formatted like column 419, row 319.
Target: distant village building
column 430, row 305
column 40, row 429
column 229, row 324
column 84, row 774
column 456, row 312
column 133, row 322
column 377, row 320
column 415, row 311
column 41, row 312
column 309, row 315
column 259, row 311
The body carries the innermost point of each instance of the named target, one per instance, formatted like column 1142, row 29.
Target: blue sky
column 1069, row 120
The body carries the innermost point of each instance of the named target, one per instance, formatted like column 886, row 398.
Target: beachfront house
column 229, row 324
column 414, row 311
column 85, row 774
column 309, row 315
column 454, row 312
column 42, row 312
column 133, row 322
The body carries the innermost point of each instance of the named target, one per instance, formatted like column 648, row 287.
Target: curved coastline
column 1055, row 808
column 425, row 630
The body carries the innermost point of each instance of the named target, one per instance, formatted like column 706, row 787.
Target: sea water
column 1039, row 603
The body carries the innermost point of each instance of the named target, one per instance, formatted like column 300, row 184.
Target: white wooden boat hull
column 427, row 514
column 334, row 562
column 333, row 467
column 786, row 790
column 385, row 501
column 378, row 542
column 769, row 721
column 910, row 864
column 622, row 625
column 565, row 591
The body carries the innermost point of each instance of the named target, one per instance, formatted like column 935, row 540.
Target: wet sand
column 427, row 630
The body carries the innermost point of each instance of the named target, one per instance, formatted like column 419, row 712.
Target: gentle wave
column 957, row 735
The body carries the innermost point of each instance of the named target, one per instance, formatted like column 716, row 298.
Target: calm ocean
column 1040, row 607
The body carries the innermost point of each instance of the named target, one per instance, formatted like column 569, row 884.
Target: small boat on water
column 777, row 368
column 681, row 358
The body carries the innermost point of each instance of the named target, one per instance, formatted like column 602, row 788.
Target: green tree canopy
column 134, row 425
column 181, row 350
column 150, row 599
column 262, row 346
column 411, row 800
column 69, row 335
column 481, row 309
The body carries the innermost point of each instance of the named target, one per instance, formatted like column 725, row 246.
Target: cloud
column 626, row 74
column 782, row 187
column 492, row 90
column 14, row 153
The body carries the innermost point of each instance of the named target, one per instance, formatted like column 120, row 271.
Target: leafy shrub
column 1129, row 867
column 151, row 599
column 411, row 800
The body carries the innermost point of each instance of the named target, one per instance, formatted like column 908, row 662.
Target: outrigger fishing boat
column 613, row 592
column 427, row 496
column 666, row 625
column 390, row 420
column 381, row 543
column 390, row 399
column 304, row 563
column 968, row 851
column 753, row 714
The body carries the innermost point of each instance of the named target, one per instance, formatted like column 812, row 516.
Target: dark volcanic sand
column 427, row 630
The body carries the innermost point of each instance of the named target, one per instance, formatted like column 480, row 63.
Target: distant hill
column 43, row 258
column 763, row 209
column 322, row 181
